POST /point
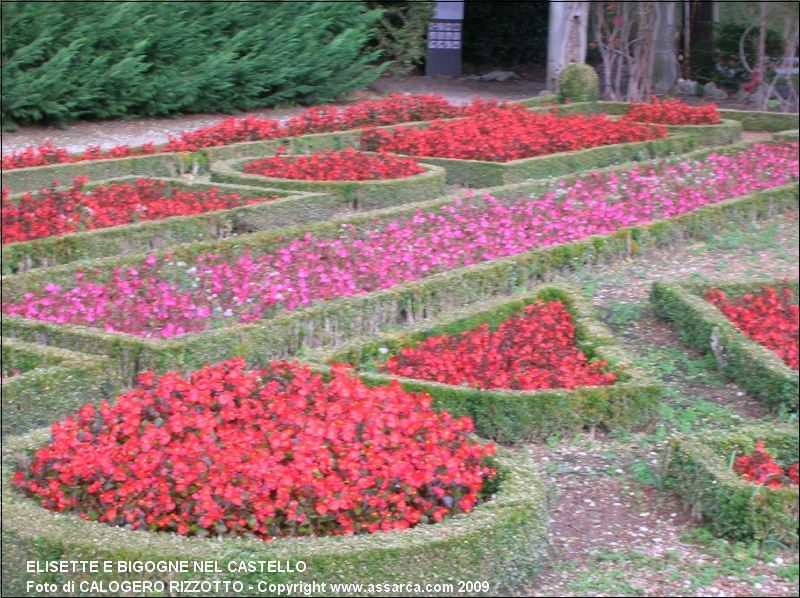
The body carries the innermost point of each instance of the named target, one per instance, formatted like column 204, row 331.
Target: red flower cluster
column 264, row 453
column 672, row 112
column 761, row 468
column 48, row 153
column 533, row 351
column 329, row 165
column 769, row 317
column 51, row 213
column 504, row 133
column 396, row 108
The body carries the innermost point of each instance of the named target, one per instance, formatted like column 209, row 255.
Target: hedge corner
column 701, row 325
column 700, row 472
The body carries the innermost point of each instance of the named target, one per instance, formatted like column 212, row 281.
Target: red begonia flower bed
column 329, row 165
column 52, row 213
column 505, row 133
column 532, row 351
column 769, row 317
column 265, row 453
column 672, row 112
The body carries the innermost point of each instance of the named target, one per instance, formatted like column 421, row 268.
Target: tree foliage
column 69, row 60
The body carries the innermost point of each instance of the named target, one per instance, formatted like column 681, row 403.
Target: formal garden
column 411, row 346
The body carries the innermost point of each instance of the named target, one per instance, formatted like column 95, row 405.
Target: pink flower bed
column 164, row 298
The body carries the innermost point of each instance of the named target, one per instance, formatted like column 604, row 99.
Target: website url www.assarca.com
column 346, row 589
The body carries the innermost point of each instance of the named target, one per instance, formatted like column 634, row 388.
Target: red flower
column 769, row 317
column 535, row 350
column 329, row 165
column 760, row 468
column 49, row 212
column 396, row 108
column 672, row 112
column 511, row 132
column 272, row 452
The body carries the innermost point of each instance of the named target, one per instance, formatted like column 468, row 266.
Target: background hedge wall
column 68, row 60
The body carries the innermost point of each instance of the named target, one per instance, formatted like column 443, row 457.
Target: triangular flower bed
column 528, row 367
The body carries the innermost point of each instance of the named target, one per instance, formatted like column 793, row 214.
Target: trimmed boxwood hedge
column 52, row 383
column 699, row 471
column 512, row 416
column 750, row 120
column 172, row 165
column 358, row 195
column 502, row 541
column 292, row 208
column 481, row 173
column 327, row 323
column 703, row 326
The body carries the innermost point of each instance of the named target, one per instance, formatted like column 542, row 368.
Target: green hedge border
column 291, row 208
column 54, row 383
column 701, row 325
column 328, row 323
column 359, row 195
column 513, row 416
column 699, row 470
column 502, row 541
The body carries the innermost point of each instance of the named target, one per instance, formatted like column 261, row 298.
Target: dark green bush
column 69, row 60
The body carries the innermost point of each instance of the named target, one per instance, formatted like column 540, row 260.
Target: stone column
column 566, row 37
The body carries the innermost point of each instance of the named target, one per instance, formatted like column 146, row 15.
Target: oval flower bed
column 396, row 108
column 360, row 180
column 503, row 540
column 263, row 453
column 672, row 112
column 328, row 165
column 770, row 317
column 160, row 297
column 50, row 212
column 505, row 133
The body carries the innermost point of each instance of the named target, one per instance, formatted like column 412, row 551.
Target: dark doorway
column 505, row 35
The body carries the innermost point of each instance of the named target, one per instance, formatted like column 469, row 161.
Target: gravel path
column 613, row 531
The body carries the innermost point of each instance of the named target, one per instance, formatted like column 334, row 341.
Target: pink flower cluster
column 166, row 298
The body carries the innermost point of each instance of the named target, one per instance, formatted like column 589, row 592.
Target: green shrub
column 68, row 60
column 700, row 471
column 401, row 33
column 578, row 83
